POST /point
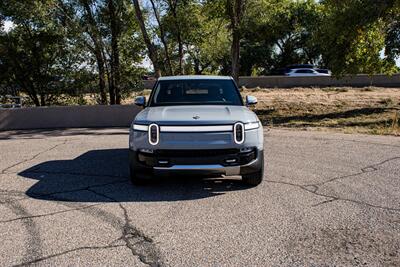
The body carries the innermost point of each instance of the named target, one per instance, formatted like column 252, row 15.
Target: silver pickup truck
column 196, row 125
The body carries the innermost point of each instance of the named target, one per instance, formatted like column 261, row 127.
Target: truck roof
column 194, row 77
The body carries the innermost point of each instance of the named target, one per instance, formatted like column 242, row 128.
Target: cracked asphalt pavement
column 327, row 200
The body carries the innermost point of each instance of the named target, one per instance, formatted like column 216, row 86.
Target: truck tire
column 254, row 179
column 135, row 179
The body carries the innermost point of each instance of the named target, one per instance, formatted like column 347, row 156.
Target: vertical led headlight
column 238, row 133
column 154, row 134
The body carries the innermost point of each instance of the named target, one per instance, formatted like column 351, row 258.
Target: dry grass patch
column 351, row 110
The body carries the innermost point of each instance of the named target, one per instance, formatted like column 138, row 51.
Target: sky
column 8, row 25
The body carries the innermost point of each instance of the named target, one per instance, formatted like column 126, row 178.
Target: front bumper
column 220, row 162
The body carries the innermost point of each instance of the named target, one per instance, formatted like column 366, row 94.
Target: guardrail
column 67, row 117
column 320, row 81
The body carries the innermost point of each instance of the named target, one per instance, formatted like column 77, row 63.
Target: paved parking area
column 327, row 200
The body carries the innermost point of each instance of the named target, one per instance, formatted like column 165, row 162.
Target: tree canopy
column 59, row 47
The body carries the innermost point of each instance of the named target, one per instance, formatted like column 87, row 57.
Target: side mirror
column 140, row 101
column 251, row 100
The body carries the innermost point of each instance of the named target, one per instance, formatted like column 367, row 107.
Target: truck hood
column 195, row 115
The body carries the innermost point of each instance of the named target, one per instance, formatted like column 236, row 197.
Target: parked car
column 326, row 71
column 305, row 73
column 300, row 66
column 196, row 125
column 290, row 68
column 9, row 101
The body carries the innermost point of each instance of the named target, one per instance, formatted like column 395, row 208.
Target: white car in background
column 305, row 73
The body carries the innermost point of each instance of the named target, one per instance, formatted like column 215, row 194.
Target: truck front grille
column 169, row 157
column 195, row 152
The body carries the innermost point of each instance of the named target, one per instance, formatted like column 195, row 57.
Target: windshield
column 196, row 92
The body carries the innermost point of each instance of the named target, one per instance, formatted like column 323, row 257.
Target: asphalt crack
column 139, row 244
column 88, row 188
column 325, row 202
column 48, row 214
column 66, row 252
column 49, row 196
column 313, row 188
column 374, row 167
column 368, row 169
column 33, row 244
column 4, row 171
column 135, row 240
column 333, row 198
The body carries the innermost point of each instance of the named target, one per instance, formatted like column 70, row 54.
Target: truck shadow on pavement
column 103, row 176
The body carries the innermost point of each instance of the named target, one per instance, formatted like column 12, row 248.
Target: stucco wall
column 288, row 82
column 67, row 117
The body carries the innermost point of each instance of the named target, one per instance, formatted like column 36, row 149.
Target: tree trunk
column 98, row 47
column 235, row 9
column 115, row 71
column 26, row 82
column 152, row 52
column 173, row 6
column 42, row 100
column 102, row 81
column 34, row 98
column 235, row 55
column 110, row 85
column 197, row 70
column 180, row 51
column 162, row 37
column 111, row 88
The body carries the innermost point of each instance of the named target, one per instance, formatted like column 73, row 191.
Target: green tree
column 31, row 53
column 107, row 31
column 277, row 34
column 352, row 35
column 83, row 27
